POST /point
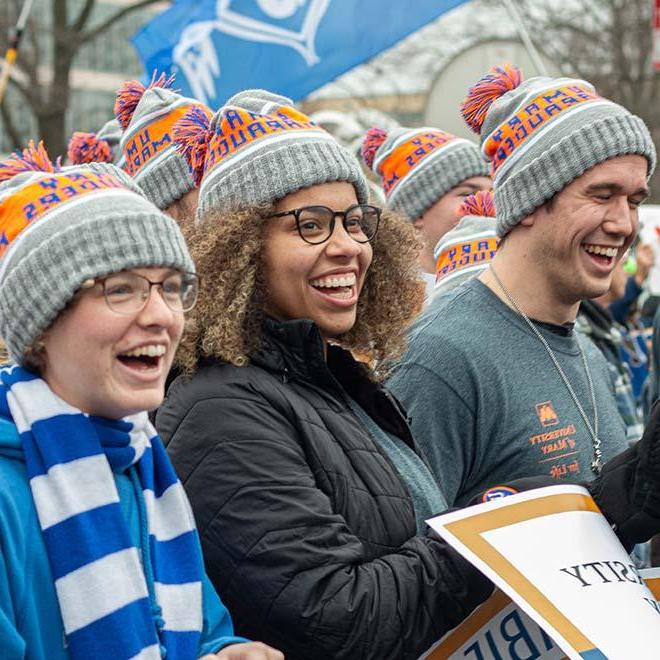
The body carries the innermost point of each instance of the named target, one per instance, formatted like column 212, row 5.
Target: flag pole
column 12, row 49
column 531, row 49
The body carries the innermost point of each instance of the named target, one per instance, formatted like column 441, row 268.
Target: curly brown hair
column 226, row 323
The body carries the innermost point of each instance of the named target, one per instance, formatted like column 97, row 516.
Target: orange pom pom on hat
column 540, row 134
column 100, row 147
column 418, row 166
column 147, row 116
column 467, row 249
column 258, row 148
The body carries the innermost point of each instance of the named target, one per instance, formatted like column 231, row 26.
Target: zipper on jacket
column 285, row 375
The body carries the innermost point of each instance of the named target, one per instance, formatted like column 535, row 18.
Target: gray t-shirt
column 486, row 403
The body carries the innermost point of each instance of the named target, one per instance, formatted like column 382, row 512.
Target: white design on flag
column 100, row 588
column 72, row 488
column 181, row 604
column 196, row 56
column 280, row 8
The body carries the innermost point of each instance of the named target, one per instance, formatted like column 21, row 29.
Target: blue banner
column 219, row 47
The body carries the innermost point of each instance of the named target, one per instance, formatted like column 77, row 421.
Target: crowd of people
column 239, row 384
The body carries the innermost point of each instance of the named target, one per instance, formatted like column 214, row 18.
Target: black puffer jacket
column 308, row 531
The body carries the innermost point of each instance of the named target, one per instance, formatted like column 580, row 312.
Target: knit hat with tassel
column 542, row 133
column 259, row 148
column 60, row 226
column 467, row 249
column 419, row 166
column 147, row 116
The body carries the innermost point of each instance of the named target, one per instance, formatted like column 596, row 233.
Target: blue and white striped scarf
column 111, row 605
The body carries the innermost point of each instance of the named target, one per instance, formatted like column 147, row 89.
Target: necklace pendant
column 596, row 466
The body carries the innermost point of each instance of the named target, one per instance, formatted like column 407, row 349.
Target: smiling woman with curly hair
column 306, row 484
column 227, row 322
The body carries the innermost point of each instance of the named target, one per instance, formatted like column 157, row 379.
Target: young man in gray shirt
column 497, row 384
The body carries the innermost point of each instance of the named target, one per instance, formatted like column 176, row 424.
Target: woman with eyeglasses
column 306, row 484
column 99, row 556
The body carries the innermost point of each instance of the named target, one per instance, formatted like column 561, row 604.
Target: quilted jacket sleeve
column 288, row 568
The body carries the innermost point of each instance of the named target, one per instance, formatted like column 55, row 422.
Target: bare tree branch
column 30, row 64
column 83, row 16
column 102, row 27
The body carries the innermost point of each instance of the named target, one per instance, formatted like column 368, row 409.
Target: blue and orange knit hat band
column 418, row 166
column 468, row 248
column 147, row 116
column 259, row 148
column 540, row 134
column 60, row 226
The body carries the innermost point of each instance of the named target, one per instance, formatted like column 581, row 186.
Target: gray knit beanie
column 419, row 166
column 62, row 226
column 148, row 153
column 100, row 147
column 258, row 148
column 467, row 249
column 543, row 133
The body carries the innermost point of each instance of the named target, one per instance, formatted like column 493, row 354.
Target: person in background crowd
column 148, row 153
column 649, row 308
column 306, row 483
column 100, row 555
column 596, row 322
column 464, row 251
column 569, row 171
column 100, row 147
column 425, row 173
column 621, row 302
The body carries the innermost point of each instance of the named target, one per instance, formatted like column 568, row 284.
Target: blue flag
column 219, row 47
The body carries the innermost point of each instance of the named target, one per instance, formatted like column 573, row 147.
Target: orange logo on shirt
column 546, row 414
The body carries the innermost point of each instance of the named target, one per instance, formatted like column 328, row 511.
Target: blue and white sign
column 219, row 47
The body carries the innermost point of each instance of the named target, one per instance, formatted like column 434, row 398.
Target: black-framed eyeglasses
column 315, row 224
column 128, row 293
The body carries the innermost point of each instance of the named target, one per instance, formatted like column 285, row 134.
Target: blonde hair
column 226, row 323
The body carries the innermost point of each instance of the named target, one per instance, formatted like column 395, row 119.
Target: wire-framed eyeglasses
column 128, row 293
column 315, row 224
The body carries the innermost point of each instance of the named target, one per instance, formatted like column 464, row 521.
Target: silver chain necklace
column 596, row 463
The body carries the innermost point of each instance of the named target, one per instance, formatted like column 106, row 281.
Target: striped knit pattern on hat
column 541, row 134
column 257, row 149
column 467, row 249
column 419, row 166
column 148, row 152
column 116, row 600
column 62, row 226
column 101, row 147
